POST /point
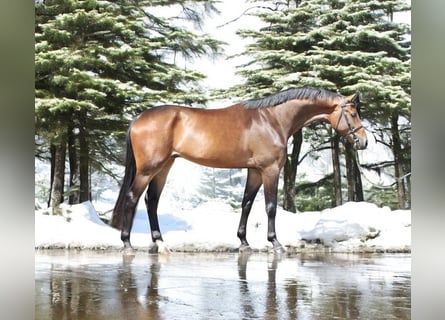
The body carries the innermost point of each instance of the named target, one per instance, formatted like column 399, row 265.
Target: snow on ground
column 212, row 226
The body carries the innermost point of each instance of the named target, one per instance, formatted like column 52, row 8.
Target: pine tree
column 344, row 46
column 280, row 59
column 98, row 64
column 368, row 52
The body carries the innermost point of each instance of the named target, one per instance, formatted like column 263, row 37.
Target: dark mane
column 289, row 94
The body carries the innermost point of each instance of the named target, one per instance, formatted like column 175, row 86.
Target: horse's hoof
column 160, row 248
column 164, row 250
column 245, row 249
column 279, row 249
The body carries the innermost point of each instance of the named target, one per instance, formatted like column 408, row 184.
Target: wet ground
column 91, row 285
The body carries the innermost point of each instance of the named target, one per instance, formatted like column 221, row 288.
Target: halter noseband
column 352, row 130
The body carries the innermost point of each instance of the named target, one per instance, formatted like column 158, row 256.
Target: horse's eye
column 353, row 114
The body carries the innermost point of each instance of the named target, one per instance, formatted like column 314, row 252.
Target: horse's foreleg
column 151, row 201
column 253, row 184
column 270, row 181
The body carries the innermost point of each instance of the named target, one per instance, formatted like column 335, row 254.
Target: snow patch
column 212, row 226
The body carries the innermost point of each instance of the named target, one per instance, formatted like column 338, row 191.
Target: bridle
column 352, row 130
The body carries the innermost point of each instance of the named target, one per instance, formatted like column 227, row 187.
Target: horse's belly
column 217, row 158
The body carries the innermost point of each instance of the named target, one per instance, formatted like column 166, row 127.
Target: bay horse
column 251, row 134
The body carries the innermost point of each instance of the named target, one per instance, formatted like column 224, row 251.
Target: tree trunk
column 74, row 167
column 402, row 201
column 349, row 172
column 408, row 191
column 58, row 172
column 84, row 162
column 357, row 179
column 353, row 177
column 52, row 149
column 290, row 173
column 335, row 149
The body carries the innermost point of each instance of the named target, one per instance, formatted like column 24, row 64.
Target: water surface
column 91, row 285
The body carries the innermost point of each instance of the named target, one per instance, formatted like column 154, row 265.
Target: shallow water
column 91, row 285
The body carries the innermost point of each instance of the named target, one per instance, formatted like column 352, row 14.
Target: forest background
column 99, row 63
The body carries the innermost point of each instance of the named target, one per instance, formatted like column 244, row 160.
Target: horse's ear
column 356, row 101
column 356, row 97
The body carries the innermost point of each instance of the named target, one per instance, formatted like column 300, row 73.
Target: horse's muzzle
column 360, row 142
column 357, row 137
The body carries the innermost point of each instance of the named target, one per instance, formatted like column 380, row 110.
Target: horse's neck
column 294, row 115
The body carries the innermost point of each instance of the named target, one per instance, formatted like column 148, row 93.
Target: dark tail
column 130, row 172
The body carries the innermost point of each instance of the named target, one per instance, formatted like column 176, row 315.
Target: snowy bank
column 212, row 226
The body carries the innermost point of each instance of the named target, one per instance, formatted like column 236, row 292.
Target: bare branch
column 312, row 151
column 244, row 13
column 309, row 185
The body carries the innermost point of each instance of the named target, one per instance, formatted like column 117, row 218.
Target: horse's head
column 345, row 119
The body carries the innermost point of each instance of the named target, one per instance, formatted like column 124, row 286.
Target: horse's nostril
column 360, row 144
column 364, row 144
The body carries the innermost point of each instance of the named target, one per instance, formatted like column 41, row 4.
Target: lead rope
column 390, row 186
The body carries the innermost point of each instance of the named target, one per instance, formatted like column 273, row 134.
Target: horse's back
column 212, row 137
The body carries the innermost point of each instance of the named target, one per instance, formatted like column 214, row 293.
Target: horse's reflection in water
column 249, row 298
column 140, row 302
column 224, row 286
column 134, row 305
column 246, row 298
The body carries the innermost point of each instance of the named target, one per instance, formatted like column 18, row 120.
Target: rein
column 352, row 130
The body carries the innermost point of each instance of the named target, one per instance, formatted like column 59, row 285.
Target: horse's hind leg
column 152, row 200
column 131, row 201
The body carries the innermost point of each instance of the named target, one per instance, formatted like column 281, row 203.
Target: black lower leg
column 271, row 233
column 151, row 202
column 128, row 223
column 242, row 228
column 253, row 184
column 270, row 195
